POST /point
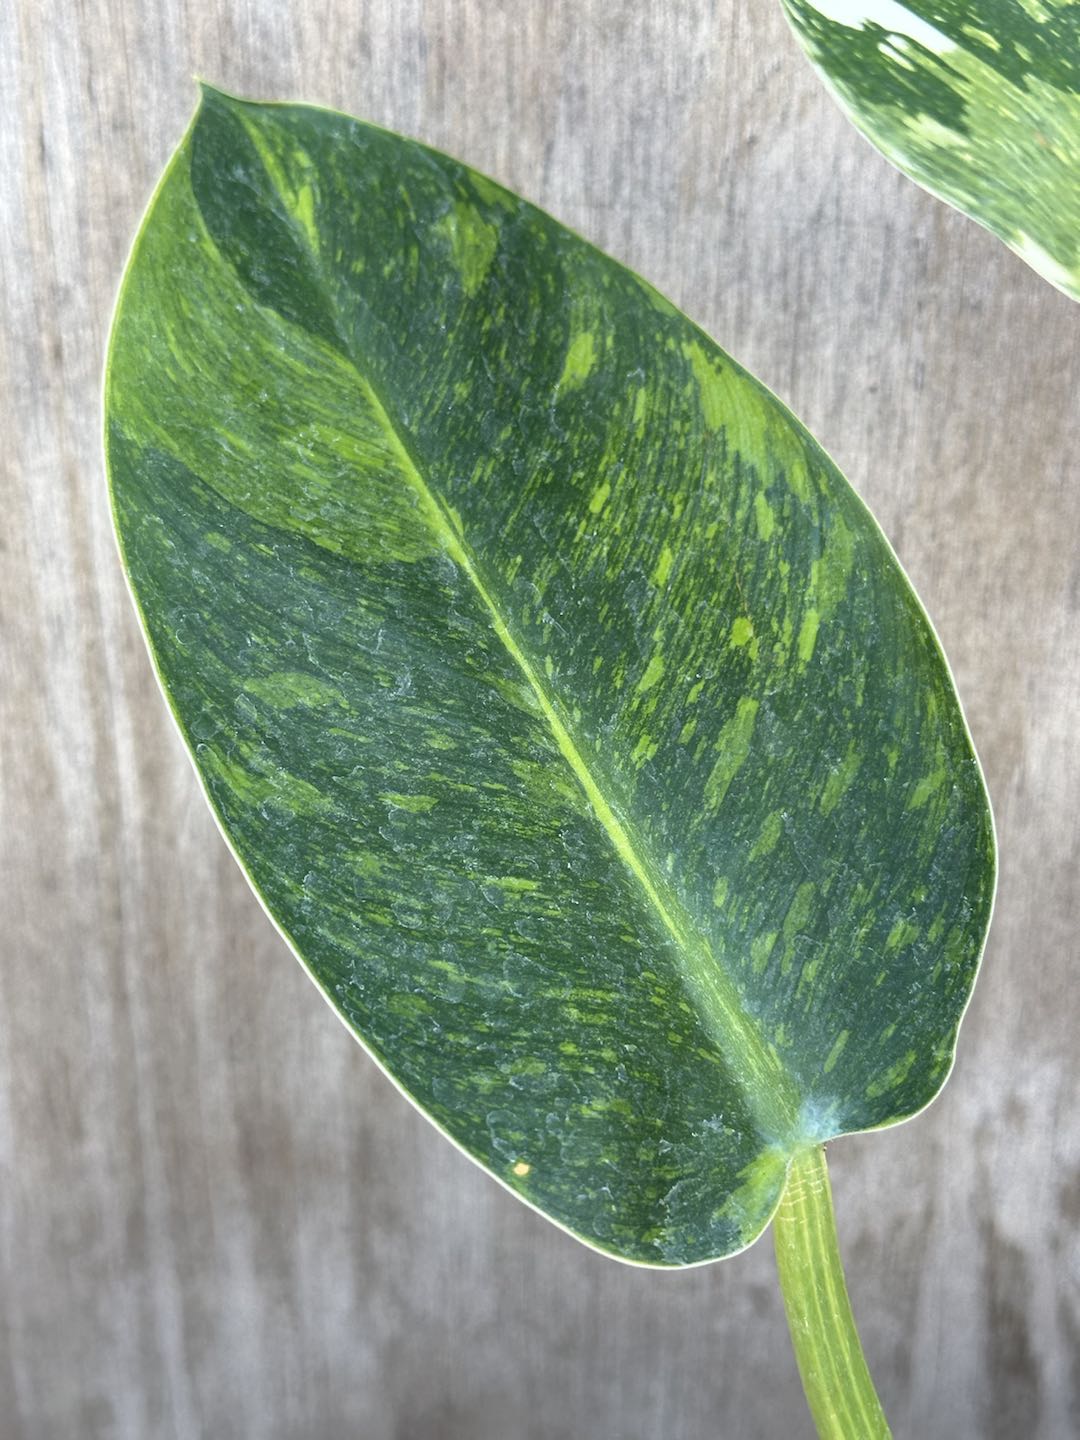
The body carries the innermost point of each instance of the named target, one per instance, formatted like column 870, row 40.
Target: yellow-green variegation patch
column 562, row 702
column 979, row 102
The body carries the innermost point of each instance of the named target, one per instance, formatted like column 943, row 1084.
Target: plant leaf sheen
column 563, row 703
column 978, row 102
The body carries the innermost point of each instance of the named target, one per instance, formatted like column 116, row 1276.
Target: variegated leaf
column 563, row 704
column 979, row 102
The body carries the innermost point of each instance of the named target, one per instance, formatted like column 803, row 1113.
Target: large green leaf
column 977, row 100
column 563, row 703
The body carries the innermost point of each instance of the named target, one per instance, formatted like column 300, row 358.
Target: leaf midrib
column 768, row 1086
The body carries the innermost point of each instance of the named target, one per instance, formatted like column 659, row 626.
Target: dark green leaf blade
column 978, row 102
column 562, row 702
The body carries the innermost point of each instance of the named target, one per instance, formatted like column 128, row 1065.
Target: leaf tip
column 213, row 95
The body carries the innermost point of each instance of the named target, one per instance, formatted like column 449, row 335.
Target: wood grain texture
column 216, row 1217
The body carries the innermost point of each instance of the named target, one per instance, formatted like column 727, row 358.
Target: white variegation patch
column 891, row 16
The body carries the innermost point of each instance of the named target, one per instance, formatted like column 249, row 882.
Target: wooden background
column 216, row 1218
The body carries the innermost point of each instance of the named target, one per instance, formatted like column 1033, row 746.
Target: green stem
column 837, row 1382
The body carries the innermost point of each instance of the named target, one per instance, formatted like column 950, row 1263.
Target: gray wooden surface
column 216, row 1217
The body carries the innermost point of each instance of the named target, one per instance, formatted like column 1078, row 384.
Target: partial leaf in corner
column 979, row 102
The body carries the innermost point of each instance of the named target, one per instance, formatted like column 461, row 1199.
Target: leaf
column 564, row 705
column 979, row 102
